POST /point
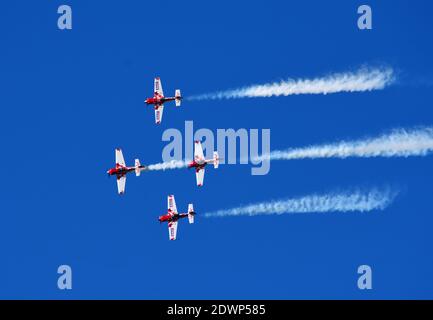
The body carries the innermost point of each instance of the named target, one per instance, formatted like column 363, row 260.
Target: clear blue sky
column 68, row 98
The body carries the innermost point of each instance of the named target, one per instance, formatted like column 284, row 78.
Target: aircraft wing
column 121, row 182
column 198, row 151
column 158, row 87
column 171, row 203
column 172, row 230
column 119, row 157
column 158, row 113
column 199, row 174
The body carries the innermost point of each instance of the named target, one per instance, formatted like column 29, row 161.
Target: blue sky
column 69, row 98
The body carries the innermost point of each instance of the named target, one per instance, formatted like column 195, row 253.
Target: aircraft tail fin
column 137, row 167
column 177, row 97
column 191, row 213
column 216, row 160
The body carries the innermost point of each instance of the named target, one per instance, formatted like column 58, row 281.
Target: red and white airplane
column 200, row 162
column 173, row 216
column 120, row 170
column 158, row 100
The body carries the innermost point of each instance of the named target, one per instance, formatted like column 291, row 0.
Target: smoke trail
column 365, row 79
column 398, row 143
column 358, row 200
column 168, row 165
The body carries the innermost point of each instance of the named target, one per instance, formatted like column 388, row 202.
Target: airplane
column 158, row 100
column 120, row 170
column 173, row 216
column 200, row 162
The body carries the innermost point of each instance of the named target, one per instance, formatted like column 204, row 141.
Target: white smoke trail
column 168, row 165
column 398, row 143
column 365, row 79
column 358, row 200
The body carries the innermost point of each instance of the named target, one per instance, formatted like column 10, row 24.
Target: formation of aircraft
column 172, row 216
column 199, row 162
column 120, row 170
column 158, row 100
